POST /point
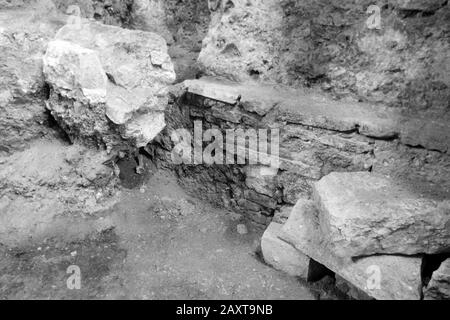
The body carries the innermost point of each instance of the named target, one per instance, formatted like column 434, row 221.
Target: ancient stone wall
column 317, row 137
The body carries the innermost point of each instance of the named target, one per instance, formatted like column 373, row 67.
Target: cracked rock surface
column 122, row 95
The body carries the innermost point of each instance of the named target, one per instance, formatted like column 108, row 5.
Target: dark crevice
column 430, row 264
column 111, row 78
column 412, row 13
column 54, row 125
column 254, row 74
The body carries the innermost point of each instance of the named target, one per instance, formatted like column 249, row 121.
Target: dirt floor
column 156, row 243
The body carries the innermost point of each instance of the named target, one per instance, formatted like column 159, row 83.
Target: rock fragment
column 109, row 85
column 282, row 255
column 439, row 286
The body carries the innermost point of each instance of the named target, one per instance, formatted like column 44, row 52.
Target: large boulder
column 363, row 214
column 109, row 85
column 383, row 277
column 439, row 286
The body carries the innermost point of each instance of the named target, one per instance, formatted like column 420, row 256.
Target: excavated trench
column 143, row 238
column 185, row 231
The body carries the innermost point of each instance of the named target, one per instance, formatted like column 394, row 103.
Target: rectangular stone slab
column 365, row 214
column 381, row 277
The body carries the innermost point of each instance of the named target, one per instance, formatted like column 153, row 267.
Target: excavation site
column 202, row 150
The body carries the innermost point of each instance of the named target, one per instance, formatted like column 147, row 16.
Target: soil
column 156, row 243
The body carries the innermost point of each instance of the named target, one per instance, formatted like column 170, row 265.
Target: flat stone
column 364, row 214
column 261, row 199
column 431, row 134
column 145, row 128
column 381, row 277
column 227, row 91
column 439, row 286
column 281, row 255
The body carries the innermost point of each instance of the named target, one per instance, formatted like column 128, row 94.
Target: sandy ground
column 156, row 243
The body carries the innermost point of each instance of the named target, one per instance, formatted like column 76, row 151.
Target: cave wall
column 182, row 23
column 329, row 45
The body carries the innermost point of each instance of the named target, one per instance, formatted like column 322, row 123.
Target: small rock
column 104, row 224
column 439, row 286
column 235, row 216
column 242, row 229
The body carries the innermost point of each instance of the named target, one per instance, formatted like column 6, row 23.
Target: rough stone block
column 381, row 277
column 364, row 214
column 124, row 91
column 281, row 255
column 75, row 72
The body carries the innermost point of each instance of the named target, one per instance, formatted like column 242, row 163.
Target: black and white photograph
column 243, row 151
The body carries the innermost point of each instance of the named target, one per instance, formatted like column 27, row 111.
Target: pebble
column 242, row 229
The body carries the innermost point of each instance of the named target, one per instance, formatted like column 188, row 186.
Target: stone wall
column 317, row 136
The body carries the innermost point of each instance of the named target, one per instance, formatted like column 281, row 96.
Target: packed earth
column 225, row 149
